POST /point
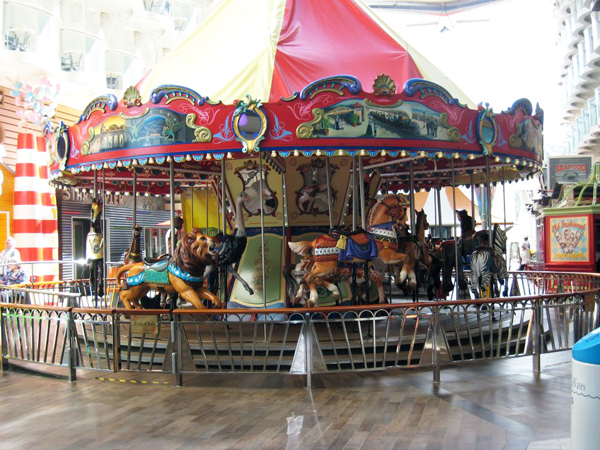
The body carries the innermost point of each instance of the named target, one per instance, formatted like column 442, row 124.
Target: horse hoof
column 250, row 291
column 311, row 304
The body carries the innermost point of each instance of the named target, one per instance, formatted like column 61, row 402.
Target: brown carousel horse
column 379, row 241
column 299, row 287
column 183, row 273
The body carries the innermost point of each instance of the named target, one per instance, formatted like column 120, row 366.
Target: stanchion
column 4, row 343
column 116, row 342
column 176, row 351
column 435, row 356
column 308, row 351
column 72, row 375
column 537, row 336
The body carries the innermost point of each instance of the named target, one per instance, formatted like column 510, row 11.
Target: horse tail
column 301, row 248
column 122, row 270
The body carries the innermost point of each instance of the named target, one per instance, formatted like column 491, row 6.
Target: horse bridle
column 391, row 210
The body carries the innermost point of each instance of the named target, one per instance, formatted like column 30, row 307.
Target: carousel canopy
column 273, row 48
column 321, row 79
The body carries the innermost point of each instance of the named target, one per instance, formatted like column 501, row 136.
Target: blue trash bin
column 585, row 393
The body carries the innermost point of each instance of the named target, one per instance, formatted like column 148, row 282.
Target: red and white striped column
column 35, row 223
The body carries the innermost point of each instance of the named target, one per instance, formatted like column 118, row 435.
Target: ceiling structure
column 431, row 6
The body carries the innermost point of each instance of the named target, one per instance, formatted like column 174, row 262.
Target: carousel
column 295, row 149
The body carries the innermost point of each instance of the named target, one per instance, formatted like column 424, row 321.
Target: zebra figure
column 488, row 265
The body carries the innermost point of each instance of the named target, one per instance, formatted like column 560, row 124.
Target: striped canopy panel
column 272, row 48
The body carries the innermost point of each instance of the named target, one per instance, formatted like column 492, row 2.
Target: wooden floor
column 480, row 406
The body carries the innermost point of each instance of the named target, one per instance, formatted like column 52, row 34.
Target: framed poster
column 569, row 239
column 568, row 169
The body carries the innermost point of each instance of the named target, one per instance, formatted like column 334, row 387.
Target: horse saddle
column 159, row 264
column 337, row 233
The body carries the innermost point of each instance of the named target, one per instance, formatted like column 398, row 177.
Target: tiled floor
column 479, row 406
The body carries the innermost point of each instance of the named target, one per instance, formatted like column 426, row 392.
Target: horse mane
column 186, row 259
column 498, row 239
column 380, row 203
column 420, row 221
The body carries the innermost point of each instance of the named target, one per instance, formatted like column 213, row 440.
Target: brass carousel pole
column 329, row 205
column 456, row 252
column 192, row 207
column 354, row 223
column 354, row 195
column 262, row 231
column 438, row 194
column 488, row 191
column 361, row 188
column 104, row 231
column 223, row 271
column 363, row 222
column 284, row 224
column 411, row 197
column 206, row 199
column 134, row 206
column 504, row 196
column 473, row 199
column 413, row 227
column 172, row 204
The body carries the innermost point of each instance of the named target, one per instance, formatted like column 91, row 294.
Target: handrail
column 300, row 340
column 19, row 288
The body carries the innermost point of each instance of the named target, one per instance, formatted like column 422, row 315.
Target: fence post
column 176, row 350
column 436, row 350
column 72, row 375
column 4, row 348
column 308, row 351
column 537, row 327
column 116, row 342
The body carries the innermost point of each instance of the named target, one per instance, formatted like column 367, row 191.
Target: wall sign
column 568, row 169
column 569, row 239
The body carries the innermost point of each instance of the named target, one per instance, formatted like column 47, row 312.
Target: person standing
column 11, row 252
column 525, row 253
column 15, row 274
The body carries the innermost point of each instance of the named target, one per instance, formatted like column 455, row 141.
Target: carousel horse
column 356, row 247
column 94, row 250
column 424, row 261
column 295, row 274
column 446, row 253
column 387, row 221
column 488, row 265
column 182, row 273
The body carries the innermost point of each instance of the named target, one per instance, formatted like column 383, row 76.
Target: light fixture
column 296, row 153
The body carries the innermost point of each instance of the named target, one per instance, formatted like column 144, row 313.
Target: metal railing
column 296, row 341
column 52, row 324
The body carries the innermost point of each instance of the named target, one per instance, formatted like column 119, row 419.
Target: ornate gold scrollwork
column 306, row 129
column 85, row 147
column 515, row 141
column 453, row 134
column 444, row 119
column 394, row 105
column 124, row 116
column 201, row 134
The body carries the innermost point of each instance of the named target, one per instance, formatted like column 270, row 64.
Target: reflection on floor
column 479, row 406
